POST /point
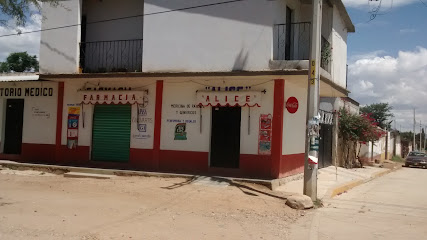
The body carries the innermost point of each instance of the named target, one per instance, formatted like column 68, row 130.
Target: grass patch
column 397, row 159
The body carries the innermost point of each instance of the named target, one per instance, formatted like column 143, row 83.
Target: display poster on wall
column 264, row 139
column 142, row 114
column 73, row 127
column 180, row 131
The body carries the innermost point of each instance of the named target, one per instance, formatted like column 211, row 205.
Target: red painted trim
column 59, row 112
column 255, row 166
column 141, row 159
column 157, row 124
column 292, row 164
column 11, row 157
column 183, row 161
column 252, row 166
column 277, row 138
column 39, row 153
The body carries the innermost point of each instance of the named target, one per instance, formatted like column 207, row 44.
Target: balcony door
column 288, row 41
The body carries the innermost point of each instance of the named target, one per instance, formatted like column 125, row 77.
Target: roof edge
column 347, row 20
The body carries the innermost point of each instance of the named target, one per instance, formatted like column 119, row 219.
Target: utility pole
column 424, row 149
column 312, row 141
column 413, row 143
column 421, row 133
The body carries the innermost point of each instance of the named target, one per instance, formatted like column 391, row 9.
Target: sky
column 387, row 56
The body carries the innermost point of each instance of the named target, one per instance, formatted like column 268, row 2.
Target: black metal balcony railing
column 292, row 41
column 111, row 56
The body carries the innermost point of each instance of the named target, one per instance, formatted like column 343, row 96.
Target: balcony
column 292, row 48
column 292, row 41
column 111, row 56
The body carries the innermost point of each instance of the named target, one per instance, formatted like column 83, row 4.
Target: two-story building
column 200, row 86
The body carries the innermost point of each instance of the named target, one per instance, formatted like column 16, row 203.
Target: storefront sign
column 112, row 97
column 264, row 139
column 229, row 88
column 241, row 99
column 26, row 92
column 292, row 105
column 73, row 127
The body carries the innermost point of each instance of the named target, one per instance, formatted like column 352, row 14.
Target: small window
column 417, row 154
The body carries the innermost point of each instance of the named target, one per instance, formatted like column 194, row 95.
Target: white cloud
column 408, row 30
column 400, row 81
column 26, row 42
column 386, row 4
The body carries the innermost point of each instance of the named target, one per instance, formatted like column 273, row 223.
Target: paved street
column 390, row 207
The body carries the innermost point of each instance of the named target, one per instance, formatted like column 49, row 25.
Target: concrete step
column 88, row 175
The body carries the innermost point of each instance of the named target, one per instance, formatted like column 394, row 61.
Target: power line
column 425, row 4
column 122, row 18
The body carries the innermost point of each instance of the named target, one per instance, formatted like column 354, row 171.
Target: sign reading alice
column 250, row 99
column 112, row 97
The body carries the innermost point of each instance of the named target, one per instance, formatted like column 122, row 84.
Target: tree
column 380, row 112
column 20, row 62
column 356, row 130
column 19, row 10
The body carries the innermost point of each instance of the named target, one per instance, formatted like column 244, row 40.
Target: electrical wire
column 122, row 18
column 425, row 4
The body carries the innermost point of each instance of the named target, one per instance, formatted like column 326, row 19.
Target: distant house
column 180, row 86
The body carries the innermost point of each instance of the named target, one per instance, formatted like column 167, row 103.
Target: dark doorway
column 325, row 146
column 225, row 140
column 13, row 130
column 288, row 43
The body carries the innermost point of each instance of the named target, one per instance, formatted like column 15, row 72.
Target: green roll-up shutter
column 111, row 133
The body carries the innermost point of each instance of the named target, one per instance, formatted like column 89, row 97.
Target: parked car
column 416, row 159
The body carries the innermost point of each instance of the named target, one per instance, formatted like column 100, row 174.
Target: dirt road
column 44, row 206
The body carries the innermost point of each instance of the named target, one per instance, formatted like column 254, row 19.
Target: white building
column 146, row 84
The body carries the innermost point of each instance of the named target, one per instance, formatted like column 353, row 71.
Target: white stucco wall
column 139, row 140
column 59, row 48
column 235, row 36
column 339, row 50
column 39, row 126
column 125, row 29
column 294, row 125
column 178, row 92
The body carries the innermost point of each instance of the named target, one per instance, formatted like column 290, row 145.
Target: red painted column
column 59, row 112
column 157, row 124
column 277, row 138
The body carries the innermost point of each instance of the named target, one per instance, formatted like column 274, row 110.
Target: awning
column 232, row 99
column 111, row 97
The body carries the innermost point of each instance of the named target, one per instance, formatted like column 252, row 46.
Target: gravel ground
column 37, row 205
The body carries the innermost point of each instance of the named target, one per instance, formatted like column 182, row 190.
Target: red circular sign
column 292, row 105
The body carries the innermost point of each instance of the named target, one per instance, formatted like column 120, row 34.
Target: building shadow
column 242, row 187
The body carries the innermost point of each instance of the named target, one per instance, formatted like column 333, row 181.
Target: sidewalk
column 334, row 181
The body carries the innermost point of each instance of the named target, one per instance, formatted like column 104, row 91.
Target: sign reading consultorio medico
column 26, row 92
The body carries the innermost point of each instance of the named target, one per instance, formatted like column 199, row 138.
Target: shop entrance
column 111, row 133
column 13, row 128
column 225, row 140
column 325, row 145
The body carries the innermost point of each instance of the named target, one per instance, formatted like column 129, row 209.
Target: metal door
column 111, row 133
column 325, row 146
